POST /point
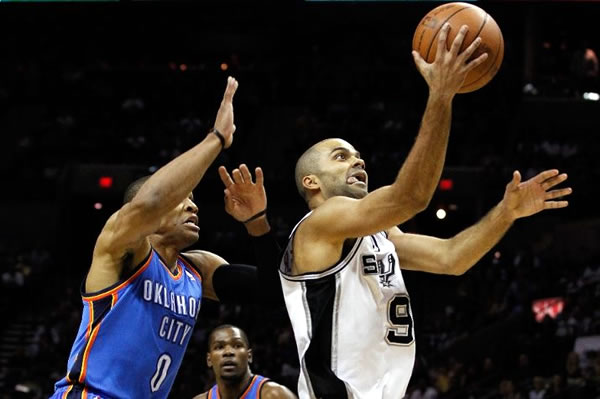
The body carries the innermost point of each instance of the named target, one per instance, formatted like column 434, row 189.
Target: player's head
column 329, row 168
column 133, row 189
column 179, row 227
column 229, row 353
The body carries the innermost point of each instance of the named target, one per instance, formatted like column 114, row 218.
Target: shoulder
column 108, row 232
column 273, row 390
column 205, row 263
column 201, row 396
column 331, row 205
column 204, row 259
column 323, row 217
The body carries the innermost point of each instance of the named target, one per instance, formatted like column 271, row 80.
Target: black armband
column 268, row 256
column 235, row 283
column 242, row 284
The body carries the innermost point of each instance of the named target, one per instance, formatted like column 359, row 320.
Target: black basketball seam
column 477, row 34
column 434, row 40
column 500, row 43
column 482, row 24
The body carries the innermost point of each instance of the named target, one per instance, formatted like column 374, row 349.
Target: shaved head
column 308, row 164
column 228, row 327
column 318, row 161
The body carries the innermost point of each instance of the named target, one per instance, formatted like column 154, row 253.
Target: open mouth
column 229, row 364
column 357, row 177
column 192, row 220
column 192, row 223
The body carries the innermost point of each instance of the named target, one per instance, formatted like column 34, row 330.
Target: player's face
column 229, row 354
column 180, row 226
column 342, row 171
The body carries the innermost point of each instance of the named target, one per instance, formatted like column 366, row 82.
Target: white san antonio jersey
column 352, row 323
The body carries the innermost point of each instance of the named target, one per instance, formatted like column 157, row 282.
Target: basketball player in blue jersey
column 229, row 355
column 141, row 296
column 341, row 271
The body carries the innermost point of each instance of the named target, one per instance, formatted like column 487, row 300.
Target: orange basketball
column 480, row 24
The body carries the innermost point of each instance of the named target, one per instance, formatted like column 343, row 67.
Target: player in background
column 229, row 355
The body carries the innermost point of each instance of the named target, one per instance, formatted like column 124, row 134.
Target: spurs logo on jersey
column 352, row 323
column 383, row 268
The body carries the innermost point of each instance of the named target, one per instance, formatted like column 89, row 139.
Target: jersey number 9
column 400, row 319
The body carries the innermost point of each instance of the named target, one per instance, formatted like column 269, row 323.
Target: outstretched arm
column 342, row 217
column 125, row 235
column 245, row 201
column 459, row 253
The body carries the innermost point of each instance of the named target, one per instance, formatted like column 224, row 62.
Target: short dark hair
column 225, row 326
column 133, row 188
column 307, row 164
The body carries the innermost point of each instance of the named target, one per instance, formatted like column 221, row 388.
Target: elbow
column 455, row 270
column 454, row 265
column 418, row 203
column 422, row 203
column 453, row 260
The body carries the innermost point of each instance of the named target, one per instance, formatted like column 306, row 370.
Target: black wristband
column 236, row 283
column 219, row 135
column 259, row 214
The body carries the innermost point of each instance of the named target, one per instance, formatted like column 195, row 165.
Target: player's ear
column 249, row 355
column 310, row 182
column 208, row 360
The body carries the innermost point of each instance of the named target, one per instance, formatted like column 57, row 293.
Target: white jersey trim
column 327, row 272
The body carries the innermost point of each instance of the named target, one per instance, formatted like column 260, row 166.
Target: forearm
column 468, row 247
column 258, row 227
column 267, row 252
column 423, row 167
column 236, row 283
column 172, row 183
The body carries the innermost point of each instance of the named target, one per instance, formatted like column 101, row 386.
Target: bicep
column 420, row 252
column 112, row 253
column 130, row 225
column 343, row 217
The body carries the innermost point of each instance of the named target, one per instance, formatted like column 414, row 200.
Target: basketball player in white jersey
column 340, row 272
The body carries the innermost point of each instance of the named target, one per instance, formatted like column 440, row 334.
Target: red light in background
column 547, row 307
column 105, row 182
column 446, row 184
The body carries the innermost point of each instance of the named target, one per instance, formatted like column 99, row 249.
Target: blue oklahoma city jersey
column 251, row 392
column 133, row 335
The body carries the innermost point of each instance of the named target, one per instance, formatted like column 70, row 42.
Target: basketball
column 480, row 24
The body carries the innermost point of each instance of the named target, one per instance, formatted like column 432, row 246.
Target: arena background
column 95, row 95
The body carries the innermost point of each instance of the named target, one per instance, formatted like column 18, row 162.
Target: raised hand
column 224, row 121
column 447, row 73
column 243, row 197
column 527, row 198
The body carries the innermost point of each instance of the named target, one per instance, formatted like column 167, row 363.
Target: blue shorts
column 76, row 392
